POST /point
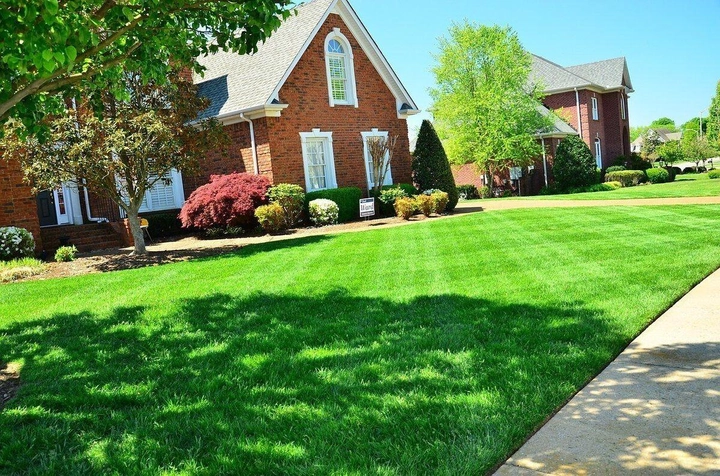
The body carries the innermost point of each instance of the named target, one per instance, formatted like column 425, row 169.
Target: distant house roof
column 665, row 135
column 242, row 83
column 601, row 75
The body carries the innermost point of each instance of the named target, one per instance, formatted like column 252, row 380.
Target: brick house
column 592, row 100
column 300, row 111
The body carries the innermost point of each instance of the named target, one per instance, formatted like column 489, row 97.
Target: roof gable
column 600, row 75
column 609, row 74
column 238, row 84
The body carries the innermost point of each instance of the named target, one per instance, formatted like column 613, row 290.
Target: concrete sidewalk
column 654, row 410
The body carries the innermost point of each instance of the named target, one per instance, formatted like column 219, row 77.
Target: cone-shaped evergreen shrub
column 574, row 164
column 430, row 166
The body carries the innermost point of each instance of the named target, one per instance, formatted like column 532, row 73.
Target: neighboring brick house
column 592, row 99
column 300, row 111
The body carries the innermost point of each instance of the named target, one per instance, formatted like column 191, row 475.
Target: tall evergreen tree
column 574, row 164
column 713, row 120
column 430, row 165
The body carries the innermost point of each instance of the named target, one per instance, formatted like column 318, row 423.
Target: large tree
column 664, row 123
column 650, row 143
column 695, row 147
column 713, row 120
column 53, row 49
column 122, row 155
column 485, row 107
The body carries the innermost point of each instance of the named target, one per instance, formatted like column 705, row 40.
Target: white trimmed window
column 340, row 70
column 318, row 160
column 368, row 160
column 598, row 153
column 595, row 113
column 165, row 194
column 623, row 113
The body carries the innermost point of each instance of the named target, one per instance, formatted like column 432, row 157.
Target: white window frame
column 366, row 157
column 178, row 194
column 623, row 111
column 351, row 91
column 598, row 153
column 595, row 112
column 326, row 138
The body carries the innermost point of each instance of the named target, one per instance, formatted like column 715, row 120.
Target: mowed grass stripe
column 432, row 348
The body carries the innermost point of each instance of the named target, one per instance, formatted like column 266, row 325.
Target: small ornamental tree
column 227, row 201
column 574, row 164
column 430, row 165
column 381, row 151
column 651, row 143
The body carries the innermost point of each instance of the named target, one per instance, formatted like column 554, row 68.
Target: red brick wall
column 18, row 205
column 467, row 174
column 306, row 91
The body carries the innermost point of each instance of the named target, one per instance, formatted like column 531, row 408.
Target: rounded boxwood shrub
column 323, row 212
column 657, row 175
column 16, row 243
column 346, row 198
column 714, row 174
column 574, row 164
column 65, row 254
column 227, row 201
column 430, row 165
column 440, row 201
column 272, row 217
column 405, row 207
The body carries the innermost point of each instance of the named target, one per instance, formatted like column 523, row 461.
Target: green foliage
column 636, row 132
column 217, row 232
column 483, row 108
column 657, row 175
column 714, row 174
column 628, row 178
column 272, row 217
column 323, row 212
column 696, row 148
column 713, row 120
column 632, row 162
column 693, row 126
column 615, row 168
column 574, row 164
column 468, row 192
column 65, row 254
column 54, row 50
column 16, row 243
column 425, row 204
column 409, row 188
column 164, row 225
column 405, row 207
column 664, row 123
column 440, row 201
column 430, row 165
column 671, row 152
column 389, row 195
column 292, row 200
column 650, row 143
column 21, row 268
column 346, row 198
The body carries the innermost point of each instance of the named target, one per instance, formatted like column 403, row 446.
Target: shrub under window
column 16, row 243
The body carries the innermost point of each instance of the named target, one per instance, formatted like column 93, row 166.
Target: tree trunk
column 137, row 233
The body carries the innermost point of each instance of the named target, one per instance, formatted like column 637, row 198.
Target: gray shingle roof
column 553, row 76
column 559, row 127
column 606, row 74
column 609, row 74
column 240, row 82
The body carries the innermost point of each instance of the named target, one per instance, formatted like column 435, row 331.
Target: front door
column 46, row 208
column 53, row 207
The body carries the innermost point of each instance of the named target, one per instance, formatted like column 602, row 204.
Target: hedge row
column 347, row 199
column 627, row 178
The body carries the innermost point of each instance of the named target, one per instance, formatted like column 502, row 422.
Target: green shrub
column 440, row 201
column 574, row 164
column 65, row 254
column 405, row 207
column 615, row 168
column 272, row 217
column 657, row 175
column 224, row 232
column 291, row 198
column 485, row 192
column 672, row 173
column 16, row 269
column 633, row 162
column 468, row 192
column 16, row 243
column 430, row 166
column 164, row 225
column 612, row 185
column 424, row 204
column 598, row 187
column 408, row 187
column 389, row 195
column 324, row 212
column 347, row 200
column 627, row 178
column 714, row 174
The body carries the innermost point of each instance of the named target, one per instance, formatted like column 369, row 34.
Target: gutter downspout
column 577, row 104
column 252, row 143
column 542, row 138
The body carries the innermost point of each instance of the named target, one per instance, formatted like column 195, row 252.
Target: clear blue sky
column 672, row 47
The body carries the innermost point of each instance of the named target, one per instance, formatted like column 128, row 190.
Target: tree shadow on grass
column 280, row 384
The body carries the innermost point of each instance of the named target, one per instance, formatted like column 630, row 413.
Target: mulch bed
column 9, row 383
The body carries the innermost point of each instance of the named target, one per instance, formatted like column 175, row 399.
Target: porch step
column 92, row 237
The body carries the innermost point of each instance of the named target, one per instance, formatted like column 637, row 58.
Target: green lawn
column 692, row 185
column 434, row 348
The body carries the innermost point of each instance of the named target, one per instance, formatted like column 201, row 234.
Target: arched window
column 340, row 70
